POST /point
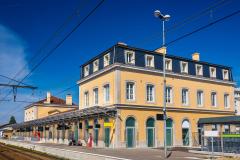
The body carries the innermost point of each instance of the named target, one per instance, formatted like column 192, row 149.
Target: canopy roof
column 220, row 120
column 95, row 111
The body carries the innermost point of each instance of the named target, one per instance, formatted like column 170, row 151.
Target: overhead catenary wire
column 203, row 27
column 186, row 20
column 60, row 43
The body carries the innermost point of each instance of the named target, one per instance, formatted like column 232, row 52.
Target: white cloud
column 12, row 53
column 12, row 60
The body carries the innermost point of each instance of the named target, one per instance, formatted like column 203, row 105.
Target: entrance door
column 130, row 132
column 150, row 137
column 150, row 132
column 76, row 132
column 130, row 137
column 107, row 137
column 185, row 133
column 169, row 132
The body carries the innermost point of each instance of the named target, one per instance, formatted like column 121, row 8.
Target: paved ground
column 133, row 154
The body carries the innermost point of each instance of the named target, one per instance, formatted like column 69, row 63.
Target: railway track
column 14, row 153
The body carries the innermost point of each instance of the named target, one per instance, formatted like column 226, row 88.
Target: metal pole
column 164, row 95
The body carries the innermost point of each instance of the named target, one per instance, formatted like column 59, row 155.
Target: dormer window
column 86, row 70
column 199, row 70
column 212, row 72
column 149, row 61
column 129, row 57
column 168, row 64
column 106, row 60
column 225, row 74
column 95, row 65
column 184, row 67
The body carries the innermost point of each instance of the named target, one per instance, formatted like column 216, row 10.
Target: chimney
column 48, row 100
column 68, row 99
column 162, row 50
column 196, row 56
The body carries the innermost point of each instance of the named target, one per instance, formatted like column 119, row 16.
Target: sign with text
column 159, row 117
column 108, row 124
column 211, row 133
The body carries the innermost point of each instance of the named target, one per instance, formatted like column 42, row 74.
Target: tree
column 12, row 120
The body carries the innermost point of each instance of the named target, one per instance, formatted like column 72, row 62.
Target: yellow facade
column 141, row 110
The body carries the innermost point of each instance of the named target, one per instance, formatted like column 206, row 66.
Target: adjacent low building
column 49, row 106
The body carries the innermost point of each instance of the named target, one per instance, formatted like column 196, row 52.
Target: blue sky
column 26, row 25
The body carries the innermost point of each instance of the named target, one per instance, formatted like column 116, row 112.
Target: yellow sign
column 109, row 124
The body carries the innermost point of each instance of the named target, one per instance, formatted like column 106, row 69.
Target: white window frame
column 201, row 98
column 95, row 96
column 148, row 98
column 214, row 127
column 225, row 74
column 146, row 60
column 215, row 99
column 128, row 92
column 186, row 103
column 212, row 75
column 106, row 59
column 169, row 96
column 86, row 70
column 96, row 65
column 170, row 64
column 201, row 69
column 227, row 100
column 86, row 99
column 128, row 52
column 106, row 93
column 186, row 69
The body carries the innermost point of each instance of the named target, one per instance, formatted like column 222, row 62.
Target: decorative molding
column 173, row 109
column 152, row 70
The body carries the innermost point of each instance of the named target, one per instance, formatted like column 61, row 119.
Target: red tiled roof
column 53, row 100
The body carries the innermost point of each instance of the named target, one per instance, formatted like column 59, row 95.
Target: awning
column 220, row 120
column 95, row 111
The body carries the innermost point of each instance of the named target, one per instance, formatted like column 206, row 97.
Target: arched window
column 150, row 132
column 185, row 132
column 130, row 122
column 130, row 132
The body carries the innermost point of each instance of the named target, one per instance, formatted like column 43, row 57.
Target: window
column 226, row 101
column 225, row 74
column 214, row 99
column 150, row 93
column 129, row 57
column 95, row 96
column 106, row 60
column 149, row 61
column 95, row 65
column 199, row 70
column 106, row 91
column 214, row 127
column 184, row 67
column 227, row 128
column 200, row 98
column 130, row 91
column 212, row 72
column 185, row 100
column 86, row 99
column 168, row 64
column 86, row 70
column 169, row 95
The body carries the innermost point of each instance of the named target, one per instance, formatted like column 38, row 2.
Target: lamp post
column 164, row 18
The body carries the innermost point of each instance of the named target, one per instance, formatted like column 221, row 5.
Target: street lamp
column 164, row 18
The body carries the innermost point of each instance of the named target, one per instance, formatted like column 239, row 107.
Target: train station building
column 121, row 91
